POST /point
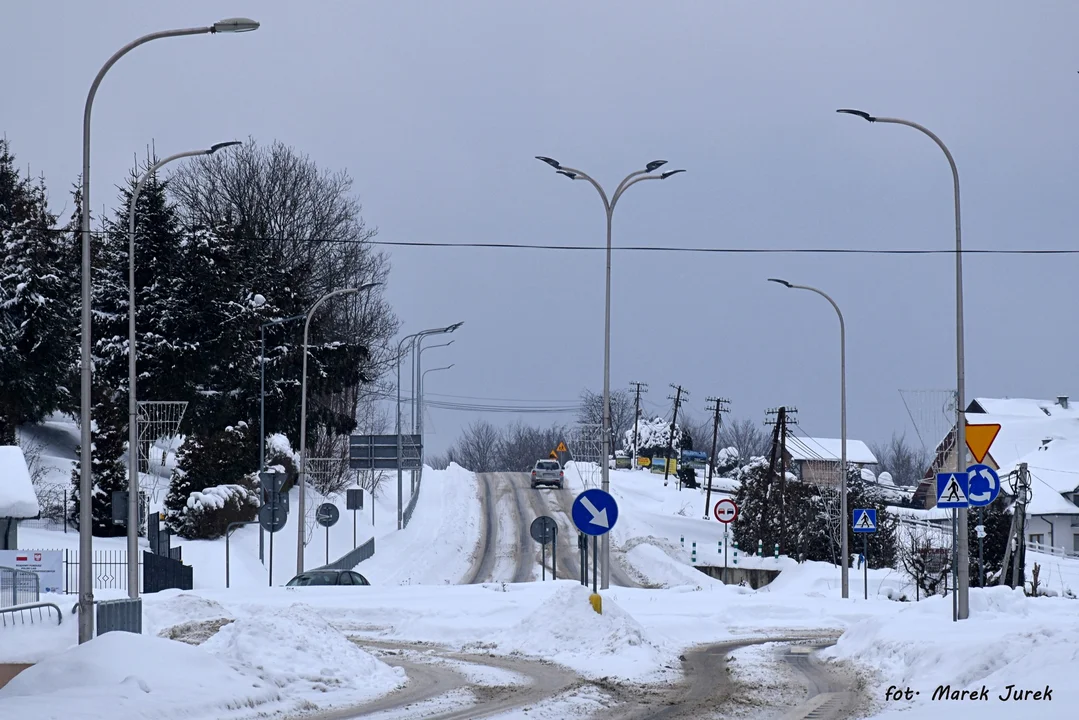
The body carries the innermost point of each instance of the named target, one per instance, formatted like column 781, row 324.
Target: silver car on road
column 548, row 472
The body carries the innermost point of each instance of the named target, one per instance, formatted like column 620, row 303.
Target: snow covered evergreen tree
column 652, row 437
column 213, row 484
column 37, row 303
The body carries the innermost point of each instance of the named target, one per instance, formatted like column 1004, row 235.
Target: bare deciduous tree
column 522, row 445
column 477, row 449
column 905, row 462
column 920, row 557
column 591, row 410
column 746, row 436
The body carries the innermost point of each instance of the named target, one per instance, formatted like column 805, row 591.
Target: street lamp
column 423, row 377
column 86, row 541
column 300, row 522
column 132, row 405
column 608, row 205
column 417, row 364
column 400, row 359
column 844, row 552
column 961, row 610
column 262, row 414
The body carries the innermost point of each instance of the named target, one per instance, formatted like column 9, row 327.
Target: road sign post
column 865, row 522
column 327, row 516
column 953, row 491
column 274, row 510
column 354, row 502
column 983, row 489
column 594, row 513
column 544, row 530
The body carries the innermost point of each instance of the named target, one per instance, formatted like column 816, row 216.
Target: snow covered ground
column 255, row 651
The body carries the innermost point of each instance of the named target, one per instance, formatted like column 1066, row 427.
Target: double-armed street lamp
column 608, row 205
column 414, row 337
column 86, row 572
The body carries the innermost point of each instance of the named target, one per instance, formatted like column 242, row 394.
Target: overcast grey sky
column 437, row 109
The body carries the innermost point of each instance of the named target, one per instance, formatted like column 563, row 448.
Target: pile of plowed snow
column 565, row 629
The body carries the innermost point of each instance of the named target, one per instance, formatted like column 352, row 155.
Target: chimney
column 1062, row 401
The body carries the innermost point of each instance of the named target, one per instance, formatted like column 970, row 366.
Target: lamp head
column 654, row 165
column 859, row 113
column 784, row 283
column 453, row 327
column 234, row 25
column 550, row 161
column 571, row 176
column 221, row 146
column 667, row 174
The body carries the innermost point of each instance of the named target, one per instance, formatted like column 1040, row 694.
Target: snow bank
column 296, row 650
column 135, row 677
column 17, row 497
column 1009, row 639
column 565, row 629
column 437, row 546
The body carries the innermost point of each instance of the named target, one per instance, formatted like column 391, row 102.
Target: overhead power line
column 647, row 248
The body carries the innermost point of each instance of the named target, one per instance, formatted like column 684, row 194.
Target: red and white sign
column 726, row 511
column 47, row 564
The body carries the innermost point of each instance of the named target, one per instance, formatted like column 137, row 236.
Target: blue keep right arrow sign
column 594, row 512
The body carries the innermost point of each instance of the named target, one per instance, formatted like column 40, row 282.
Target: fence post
column 760, row 548
column 682, row 541
column 694, row 556
column 735, row 553
column 777, row 552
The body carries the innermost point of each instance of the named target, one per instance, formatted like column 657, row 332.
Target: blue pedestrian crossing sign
column 983, row 485
column 865, row 520
column 594, row 512
column 953, row 490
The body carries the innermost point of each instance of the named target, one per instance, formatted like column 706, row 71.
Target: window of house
column 1038, row 538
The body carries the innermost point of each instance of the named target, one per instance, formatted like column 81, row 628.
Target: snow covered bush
column 727, row 460
column 213, row 484
column 652, row 437
column 209, row 512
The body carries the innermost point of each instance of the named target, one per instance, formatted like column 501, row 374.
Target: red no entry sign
column 726, row 511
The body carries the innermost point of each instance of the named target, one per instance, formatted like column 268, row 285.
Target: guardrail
column 353, row 557
column 18, row 587
column 27, row 610
column 1047, row 550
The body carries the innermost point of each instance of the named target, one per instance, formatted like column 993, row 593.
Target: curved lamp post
column 844, row 543
column 301, row 517
column 608, row 205
column 961, row 608
column 132, row 378
column 417, row 366
column 86, row 572
column 419, row 423
column 400, row 358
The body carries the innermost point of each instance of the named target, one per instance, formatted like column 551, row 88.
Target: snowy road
column 507, row 552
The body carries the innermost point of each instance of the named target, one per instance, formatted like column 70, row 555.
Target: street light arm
column 578, row 175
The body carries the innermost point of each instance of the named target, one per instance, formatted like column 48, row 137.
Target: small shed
column 18, row 501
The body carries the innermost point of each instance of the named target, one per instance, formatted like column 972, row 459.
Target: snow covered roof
column 1024, row 407
column 807, row 448
column 17, row 496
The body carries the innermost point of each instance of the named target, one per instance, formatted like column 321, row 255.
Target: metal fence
column 353, row 557
column 18, row 587
column 407, row 514
column 109, row 568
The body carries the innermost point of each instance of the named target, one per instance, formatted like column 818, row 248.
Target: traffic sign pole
column 865, row 565
column 595, row 562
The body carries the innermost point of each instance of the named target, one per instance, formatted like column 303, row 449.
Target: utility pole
column 719, row 406
column 679, row 392
column 783, row 416
column 637, row 386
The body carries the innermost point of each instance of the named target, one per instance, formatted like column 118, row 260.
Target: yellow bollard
column 597, row 602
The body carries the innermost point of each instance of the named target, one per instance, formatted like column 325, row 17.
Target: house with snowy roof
column 816, row 460
column 18, row 501
column 1043, row 435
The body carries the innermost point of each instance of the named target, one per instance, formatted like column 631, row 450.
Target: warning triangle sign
column 553, row 455
column 863, row 521
column 562, row 448
column 953, row 493
column 980, row 438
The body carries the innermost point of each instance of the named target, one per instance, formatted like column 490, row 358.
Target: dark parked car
column 327, row 577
